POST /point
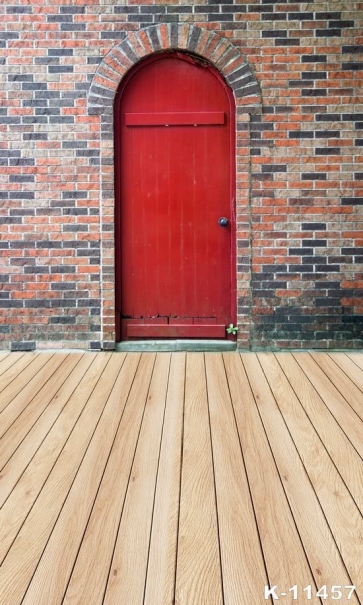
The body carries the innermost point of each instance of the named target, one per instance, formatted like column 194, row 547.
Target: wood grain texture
column 283, row 552
column 28, row 379
column 22, row 560
column 13, row 366
column 340, row 449
column 126, row 582
column 344, row 414
column 243, row 570
column 350, row 368
column 357, row 359
column 180, row 479
column 343, row 383
column 160, row 582
column 19, row 503
column 89, row 577
column 322, row 551
column 198, row 578
column 50, row 579
column 343, row 516
column 54, row 394
column 7, row 360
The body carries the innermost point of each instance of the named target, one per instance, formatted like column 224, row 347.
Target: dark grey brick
column 19, row 9
column 35, row 136
column 314, row 93
column 313, row 58
column 20, row 78
column 274, row 17
column 63, row 269
column 74, row 10
column 314, row 75
column 61, row 120
column 328, row 15
column 87, row 153
column 59, row 19
column 347, row 23
column 23, row 345
column 352, row 65
column 328, row 33
column 11, row 304
column 74, row 194
column 314, row 242
column 38, row 270
column 63, row 319
column 73, row 27
column 313, row 226
column 126, row 10
column 298, row 134
column 74, row 144
column 140, row 18
column 60, row 52
column 94, row 60
column 328, row 117
column 274, row 34
column 20, row 178
column 60, row 69
column 22, row 195
column 356, row 48
column 302, row 16
column 327, row 151
column 9, row 36
column 327, row 134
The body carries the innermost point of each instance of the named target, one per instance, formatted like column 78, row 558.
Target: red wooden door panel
column 174, row 146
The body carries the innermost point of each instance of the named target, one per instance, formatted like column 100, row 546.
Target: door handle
column 223, row 221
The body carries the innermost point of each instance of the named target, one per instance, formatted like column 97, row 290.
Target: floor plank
column 283, row 551
column 344, row 456
column 341, row 512
column 344, row 414
column 126, row 583
column 357, row 358
column 160, row 582
column 17, row 506
column 89, row 577
column 346, row 387
column 198, row 578
column 51, row 577
column 244, row 573
column 180, row 479
column 322, row 551
column 23, row 438
column 347, row 365
column 7, row 360
column 13, row 380
column 22, row 559
column 13, row 366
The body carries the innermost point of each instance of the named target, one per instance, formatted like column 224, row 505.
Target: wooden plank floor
column 183, row 478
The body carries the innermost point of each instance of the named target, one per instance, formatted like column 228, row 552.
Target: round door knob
column 223, row 221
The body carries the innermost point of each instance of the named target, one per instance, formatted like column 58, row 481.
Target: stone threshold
column 176, row 345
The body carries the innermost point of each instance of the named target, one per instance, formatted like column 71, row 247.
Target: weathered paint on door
column 174, row 148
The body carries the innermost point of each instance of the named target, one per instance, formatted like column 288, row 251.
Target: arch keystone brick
column 219, row 51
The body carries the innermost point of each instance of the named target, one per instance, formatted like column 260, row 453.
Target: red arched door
column 174, row 149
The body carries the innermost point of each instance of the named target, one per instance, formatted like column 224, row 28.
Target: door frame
column 191, row 57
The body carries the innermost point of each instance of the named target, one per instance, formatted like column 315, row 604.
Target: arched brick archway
column 219, row 51
column 238, row 75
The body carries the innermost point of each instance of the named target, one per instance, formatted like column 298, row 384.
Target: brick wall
column 299, row 162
